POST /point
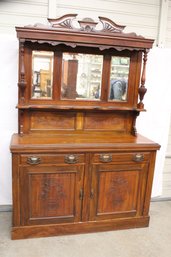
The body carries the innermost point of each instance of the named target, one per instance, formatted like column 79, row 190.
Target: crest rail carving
column 87, row 24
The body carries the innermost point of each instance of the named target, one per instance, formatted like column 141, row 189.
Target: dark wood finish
column 51, row 194
column 80, row 227
column 79, row 165
column 117, row 190
column 142, row 90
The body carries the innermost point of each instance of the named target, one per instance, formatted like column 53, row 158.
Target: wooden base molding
column 77, row 228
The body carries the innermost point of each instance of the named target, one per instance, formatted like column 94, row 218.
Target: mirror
column 42, row 74
column 119, row 73
column 81, row 76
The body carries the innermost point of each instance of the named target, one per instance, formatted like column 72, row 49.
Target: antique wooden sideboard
column 78, row 163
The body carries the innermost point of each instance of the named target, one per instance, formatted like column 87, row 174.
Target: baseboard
column 160, row 199
column 5, row 208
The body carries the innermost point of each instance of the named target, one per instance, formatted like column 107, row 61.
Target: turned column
column 22, row 82
column 142, row 90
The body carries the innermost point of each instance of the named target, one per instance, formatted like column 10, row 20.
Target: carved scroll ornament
column 87, row 24
column 70, row 24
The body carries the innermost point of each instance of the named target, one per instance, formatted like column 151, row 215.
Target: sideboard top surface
column 81, row 141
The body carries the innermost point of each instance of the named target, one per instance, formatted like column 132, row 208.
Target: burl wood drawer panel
column 52, row 158
column 120, row 157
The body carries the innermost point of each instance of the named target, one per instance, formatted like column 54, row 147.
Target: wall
column 20, row 13
column 8, row 124
column 155, row 122
column 140, row 16
column 168, row 26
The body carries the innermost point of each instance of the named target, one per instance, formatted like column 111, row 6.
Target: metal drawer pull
column 71, row 158
column 105, row 157
column 138, row 157
column 33, row 160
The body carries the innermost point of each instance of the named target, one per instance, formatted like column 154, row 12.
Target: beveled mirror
column 81, row 76
column 42, row 74
column 119, row 73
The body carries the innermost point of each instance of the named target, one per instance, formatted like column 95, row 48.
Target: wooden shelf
column 78, row 107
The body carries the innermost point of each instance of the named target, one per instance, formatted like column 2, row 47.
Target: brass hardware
column 105, row 157
column 81, row 194
column 33, row 160
column 138, row 157
column 92, row 193
column 71, row 158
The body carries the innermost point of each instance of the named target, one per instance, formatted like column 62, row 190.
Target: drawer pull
column 71, row 158
column 138, row 157
column 33, row 160
column 105, row 157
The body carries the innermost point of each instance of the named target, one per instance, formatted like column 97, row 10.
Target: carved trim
column 87, row 24
column 73, row 45
column 21, row 122
column 22, row 82
column 64, row 21
column 69, row 25
column 142, row 90
column 54, row 43
column 134, row 129
column 110, row 26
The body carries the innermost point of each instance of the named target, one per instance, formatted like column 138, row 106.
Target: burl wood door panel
column 51, row 194
column 117, row 190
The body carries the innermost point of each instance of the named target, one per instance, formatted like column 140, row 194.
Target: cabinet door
column 51, row 194
column 117, row 190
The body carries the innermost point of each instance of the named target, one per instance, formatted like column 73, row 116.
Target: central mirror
column 81, row 76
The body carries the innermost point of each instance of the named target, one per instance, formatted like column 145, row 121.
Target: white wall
column 16, row 12
column 8, row 101
column 168, row 27
column 140, row 16
column 155, row 122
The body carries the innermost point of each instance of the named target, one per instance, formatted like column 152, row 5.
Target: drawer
column 68, row 158
column 120, row 157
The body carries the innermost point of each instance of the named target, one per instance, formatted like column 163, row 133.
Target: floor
column 154, row 241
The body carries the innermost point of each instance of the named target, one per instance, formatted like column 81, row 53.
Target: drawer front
column 68, row 158
column 120, row 157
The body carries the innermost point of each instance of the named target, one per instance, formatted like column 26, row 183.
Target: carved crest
column 63, row 22
column 110, row 26
column 87, row 24
column 69, row 24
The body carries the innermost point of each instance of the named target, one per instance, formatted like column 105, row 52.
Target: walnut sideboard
column 78, row 163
